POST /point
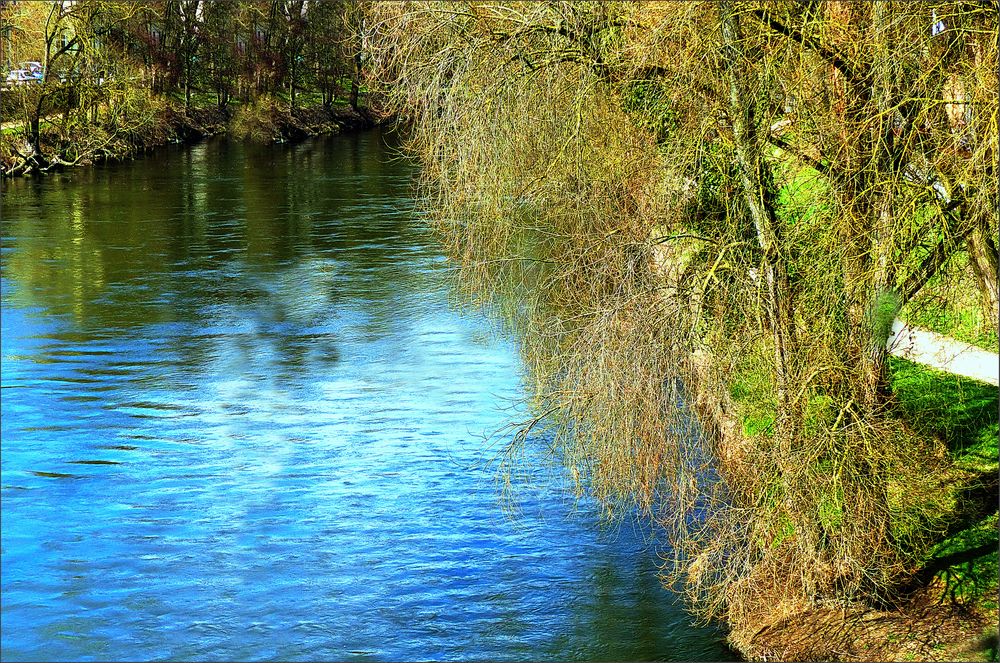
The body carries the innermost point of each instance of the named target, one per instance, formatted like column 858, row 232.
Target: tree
column 220, row 49
column 323, row 48
column 716, row 207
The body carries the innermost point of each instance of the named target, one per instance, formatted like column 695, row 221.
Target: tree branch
column 836, row 59
column 932, row 262
column 821, row 166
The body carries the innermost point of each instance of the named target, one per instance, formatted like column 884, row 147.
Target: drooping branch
column 819, row 165
column 754, row 182
column 934, row 260
column 952, row 560
column 839, row 61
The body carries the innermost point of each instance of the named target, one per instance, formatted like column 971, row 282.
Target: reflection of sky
column 241, row 421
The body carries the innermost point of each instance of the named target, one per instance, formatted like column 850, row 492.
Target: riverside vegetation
column 120, row 76
column 712, row 212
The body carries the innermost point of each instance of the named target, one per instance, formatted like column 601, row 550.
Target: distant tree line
column 107, row 62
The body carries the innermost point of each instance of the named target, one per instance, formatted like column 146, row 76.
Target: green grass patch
column 950, row 304
column 962, row 412
column 803, row 193
column 752, row 392
column 964, row 323
column 831, row 510
column 970, row 580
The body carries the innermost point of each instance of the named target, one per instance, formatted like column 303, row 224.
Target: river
column 244, row 418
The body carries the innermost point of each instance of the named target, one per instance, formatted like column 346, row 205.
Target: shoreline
column 923, row 626
column 919, row 628
column 924, row 623
column 179, row 126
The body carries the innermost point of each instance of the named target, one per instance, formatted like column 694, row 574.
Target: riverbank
column 949, row 611
column 269, row 446
column 552, row 177
column 67, row 143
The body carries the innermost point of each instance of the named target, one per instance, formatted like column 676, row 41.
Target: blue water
column 243, row 418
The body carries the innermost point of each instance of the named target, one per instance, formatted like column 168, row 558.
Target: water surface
column 243, row 419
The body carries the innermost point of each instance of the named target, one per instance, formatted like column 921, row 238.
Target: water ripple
column 241, row 421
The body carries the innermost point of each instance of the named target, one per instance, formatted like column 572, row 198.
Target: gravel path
column 943, row 353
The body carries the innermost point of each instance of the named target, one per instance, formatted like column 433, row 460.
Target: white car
column 20, row 77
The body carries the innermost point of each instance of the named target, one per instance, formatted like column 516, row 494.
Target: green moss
column 752, row 390
column 750, row 393
column 831, row 511
column 786, row 532
column 649, row 103
column 883, row 313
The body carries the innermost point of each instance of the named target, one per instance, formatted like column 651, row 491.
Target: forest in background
column 119, row 75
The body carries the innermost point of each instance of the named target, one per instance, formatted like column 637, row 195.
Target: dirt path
column 943, row 353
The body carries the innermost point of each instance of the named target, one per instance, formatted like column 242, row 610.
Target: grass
column 964, row 415
column 962, row 412
column 970, row 580
column 752, row 391
column 945, row 316
column 949, row 303
column 803, row 192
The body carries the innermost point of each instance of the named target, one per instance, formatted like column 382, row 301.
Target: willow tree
column 711, row 211
column 875, row 87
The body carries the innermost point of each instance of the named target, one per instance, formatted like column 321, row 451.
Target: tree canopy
column 714, row 211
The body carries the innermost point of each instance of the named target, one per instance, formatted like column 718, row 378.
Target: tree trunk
column 34, row 135
column 187, row 83
column 882, row 307
column 876, row 304
column 355, row 82
column 755, row 180
column 984, row 258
